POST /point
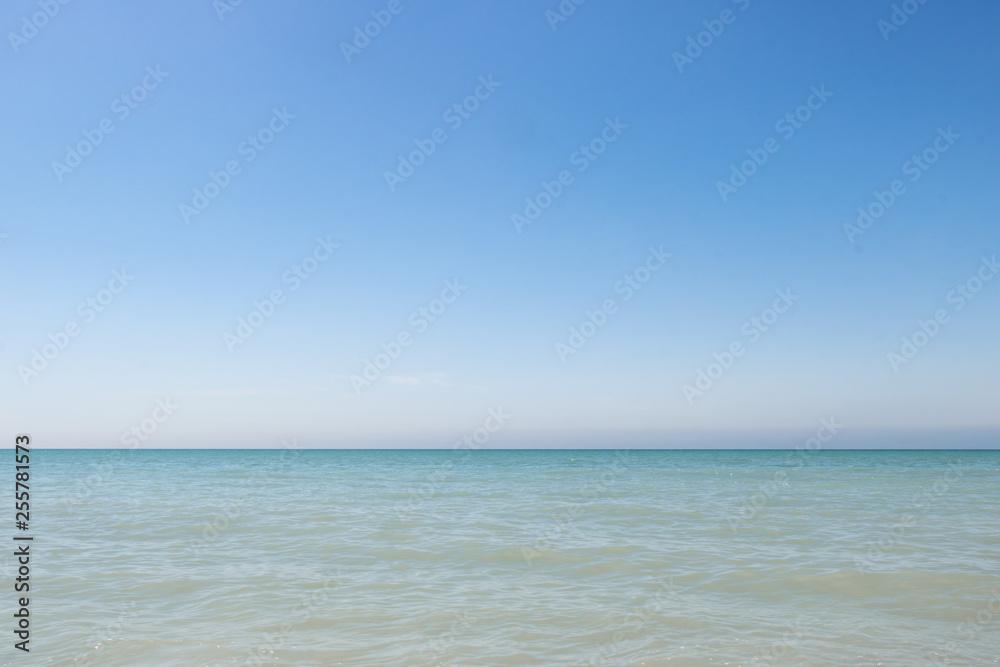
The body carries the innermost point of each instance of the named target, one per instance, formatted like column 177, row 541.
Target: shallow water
column 513, row 558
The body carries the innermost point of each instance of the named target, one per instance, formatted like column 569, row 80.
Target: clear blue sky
column 219, row 80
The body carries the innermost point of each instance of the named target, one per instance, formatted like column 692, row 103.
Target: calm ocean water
column 199, row 558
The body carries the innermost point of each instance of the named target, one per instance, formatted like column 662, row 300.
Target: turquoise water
column 513, row 558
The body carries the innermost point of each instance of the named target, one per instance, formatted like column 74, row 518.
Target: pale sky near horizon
column 119, row 116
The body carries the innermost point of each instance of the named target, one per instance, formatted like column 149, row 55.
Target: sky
column 612, row 224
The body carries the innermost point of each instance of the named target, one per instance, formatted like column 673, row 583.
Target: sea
column 487, row 557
